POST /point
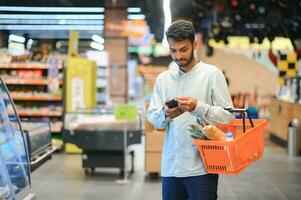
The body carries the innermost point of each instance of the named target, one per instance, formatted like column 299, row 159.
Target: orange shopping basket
column 231, row 157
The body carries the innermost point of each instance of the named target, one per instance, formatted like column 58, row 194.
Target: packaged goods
column 213, row 133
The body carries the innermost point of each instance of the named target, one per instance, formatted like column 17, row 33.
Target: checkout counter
column 281, row 115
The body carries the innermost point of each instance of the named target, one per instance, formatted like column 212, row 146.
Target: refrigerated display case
column 14, row 157
column 38, row 135
column 5, row 189
column 101, row 137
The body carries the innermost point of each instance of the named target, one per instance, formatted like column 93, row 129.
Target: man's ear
column 194, row 45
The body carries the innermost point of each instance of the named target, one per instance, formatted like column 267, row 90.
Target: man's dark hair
column 181, row 30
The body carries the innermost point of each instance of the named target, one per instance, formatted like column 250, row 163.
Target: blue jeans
column 193, row 188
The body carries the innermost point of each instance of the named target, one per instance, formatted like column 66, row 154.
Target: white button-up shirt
column 207, row 84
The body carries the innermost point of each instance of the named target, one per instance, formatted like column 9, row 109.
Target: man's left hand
column 186, row 103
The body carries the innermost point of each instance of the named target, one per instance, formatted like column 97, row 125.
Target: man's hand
column 172, row 112
column 186, row 103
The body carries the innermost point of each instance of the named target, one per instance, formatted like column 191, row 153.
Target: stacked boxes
column 153, row 146
column 153, row 150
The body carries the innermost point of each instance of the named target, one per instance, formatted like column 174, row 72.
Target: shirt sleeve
column 155, row 112
column 220, row 96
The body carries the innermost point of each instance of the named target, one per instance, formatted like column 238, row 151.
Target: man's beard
column 188, row 62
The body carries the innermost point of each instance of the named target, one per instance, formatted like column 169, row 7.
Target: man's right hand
column 172, row 112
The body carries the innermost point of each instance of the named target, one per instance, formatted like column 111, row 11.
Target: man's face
column 181, row 51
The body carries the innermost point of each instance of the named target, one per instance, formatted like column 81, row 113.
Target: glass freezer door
column 13, row 150
column 5, row 184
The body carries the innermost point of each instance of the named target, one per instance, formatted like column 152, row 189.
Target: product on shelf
column 36, row 88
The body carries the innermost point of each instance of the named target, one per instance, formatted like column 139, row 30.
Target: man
column 201, row 92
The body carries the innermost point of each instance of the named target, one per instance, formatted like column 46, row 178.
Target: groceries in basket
column 206, row 132
column 214, row 133
column 223, row 157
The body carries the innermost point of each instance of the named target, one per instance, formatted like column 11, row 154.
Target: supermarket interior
column 82, row 89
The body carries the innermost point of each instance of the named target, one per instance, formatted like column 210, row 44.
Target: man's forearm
column 157, row 118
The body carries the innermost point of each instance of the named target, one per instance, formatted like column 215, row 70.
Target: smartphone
column 171, row 104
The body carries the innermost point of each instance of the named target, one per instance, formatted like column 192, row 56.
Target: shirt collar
column 182, row 72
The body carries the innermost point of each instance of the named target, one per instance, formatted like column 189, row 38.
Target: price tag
column 125, row 112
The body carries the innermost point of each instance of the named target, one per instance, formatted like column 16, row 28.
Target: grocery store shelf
column 26, row 81
column 36, row 89
column 36, row 98
column 11, row 81
column 40, row 113
column 23, row 66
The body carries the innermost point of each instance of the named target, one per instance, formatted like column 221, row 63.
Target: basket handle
column 243, row 111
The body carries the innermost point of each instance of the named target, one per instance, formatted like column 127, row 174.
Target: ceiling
column 214, row 18
column 52, row 23
column 151, row 8
column 52, row 3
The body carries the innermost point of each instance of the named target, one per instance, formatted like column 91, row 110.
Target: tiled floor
column 275, row 177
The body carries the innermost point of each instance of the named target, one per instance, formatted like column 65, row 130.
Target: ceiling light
column 51, row 27
column 133, row 10
column 14, row 45
column 44, row 16
column 136, row 17
column 29, row 43
column 51, row 21
column 97, row 46
column 52, row 9
column 16, row 38
column 167, row 18
column 98, row 39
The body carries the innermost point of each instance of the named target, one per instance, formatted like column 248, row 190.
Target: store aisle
column 275, row 177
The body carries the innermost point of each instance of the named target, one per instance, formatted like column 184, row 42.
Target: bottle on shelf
column 229, row 136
